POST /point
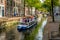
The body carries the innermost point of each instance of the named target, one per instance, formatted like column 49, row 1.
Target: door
column 15, row 11
column 2, row 11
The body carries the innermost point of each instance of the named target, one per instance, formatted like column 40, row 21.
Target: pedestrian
column 57, row 14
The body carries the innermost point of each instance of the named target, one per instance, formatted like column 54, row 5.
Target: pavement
column 50, row 27
column 9, row 19
column 57, row 18
column 2, row 36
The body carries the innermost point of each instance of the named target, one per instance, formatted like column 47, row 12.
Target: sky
column 42, row 1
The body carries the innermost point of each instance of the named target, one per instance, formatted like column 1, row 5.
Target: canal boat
column 27, row 23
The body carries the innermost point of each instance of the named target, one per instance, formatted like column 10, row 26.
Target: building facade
column 1, row 8
column 13, row 8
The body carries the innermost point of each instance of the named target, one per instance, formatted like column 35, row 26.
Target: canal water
column 39, row 36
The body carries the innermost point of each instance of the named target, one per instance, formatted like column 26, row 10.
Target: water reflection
column 40, row 31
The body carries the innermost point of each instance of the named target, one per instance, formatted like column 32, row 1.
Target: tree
column 29, row 4
column 33, row 3
column 49, row 4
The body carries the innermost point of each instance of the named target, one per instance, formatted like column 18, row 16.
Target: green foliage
column 10, row 25
column 2, row 28
column 56, row 2
column 29, row 2
column 33, row 3
column 47, row 4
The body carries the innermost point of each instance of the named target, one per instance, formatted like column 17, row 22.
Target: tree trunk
column 52, row 11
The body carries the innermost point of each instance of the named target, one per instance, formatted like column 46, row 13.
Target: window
column 15, row 9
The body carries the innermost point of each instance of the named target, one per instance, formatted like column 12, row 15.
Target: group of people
column 28, row 19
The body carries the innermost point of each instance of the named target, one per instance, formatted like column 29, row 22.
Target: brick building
column 12, row 8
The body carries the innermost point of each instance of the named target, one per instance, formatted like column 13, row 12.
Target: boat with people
column 27, row 23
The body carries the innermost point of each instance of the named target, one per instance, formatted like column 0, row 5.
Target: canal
column 39, row 35
column 21, row 35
